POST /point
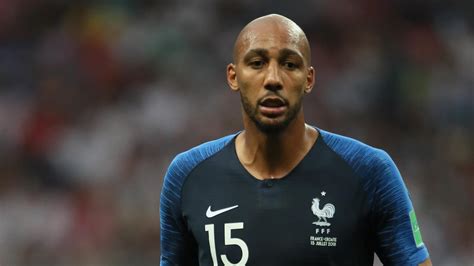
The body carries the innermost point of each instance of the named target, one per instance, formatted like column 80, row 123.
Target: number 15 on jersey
column 228, row 240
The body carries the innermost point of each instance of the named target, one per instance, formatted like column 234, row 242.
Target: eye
column 290, row 65
column 256, row 64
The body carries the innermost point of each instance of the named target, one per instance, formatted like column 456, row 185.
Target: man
column 282, row 192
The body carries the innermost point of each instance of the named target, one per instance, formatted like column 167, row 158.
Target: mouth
column 272, row 106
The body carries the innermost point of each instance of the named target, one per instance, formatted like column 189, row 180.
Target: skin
column 272, row 60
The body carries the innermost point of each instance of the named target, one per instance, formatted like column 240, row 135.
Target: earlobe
column 232, row 77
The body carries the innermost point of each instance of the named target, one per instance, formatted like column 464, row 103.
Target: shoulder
column 378, row 174
column 178, row 171
column 186, row 161
column 361, row 157
column 176, row 247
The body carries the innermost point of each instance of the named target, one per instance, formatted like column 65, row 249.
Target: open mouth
column 272, row 106
column 272, row 102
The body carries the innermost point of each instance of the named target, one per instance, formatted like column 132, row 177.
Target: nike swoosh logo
column 210, row 214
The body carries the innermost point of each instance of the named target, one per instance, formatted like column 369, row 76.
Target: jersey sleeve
column 178, row 247
column 397, row 235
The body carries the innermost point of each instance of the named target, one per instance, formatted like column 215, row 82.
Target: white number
column 228, row 240
column 212, row 244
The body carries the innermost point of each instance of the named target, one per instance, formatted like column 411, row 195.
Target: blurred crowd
column 96, row 97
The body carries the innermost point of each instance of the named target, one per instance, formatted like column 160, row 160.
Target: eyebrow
column 255, row 52
column 283, row 53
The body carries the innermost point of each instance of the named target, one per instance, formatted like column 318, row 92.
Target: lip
column 272, row 106
column 272, row 111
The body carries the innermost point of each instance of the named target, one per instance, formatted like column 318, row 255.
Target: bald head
column 272, row 26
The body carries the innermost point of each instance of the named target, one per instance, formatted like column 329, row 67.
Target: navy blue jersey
column 344, row 201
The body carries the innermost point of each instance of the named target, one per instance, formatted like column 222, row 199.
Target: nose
column 273, row 80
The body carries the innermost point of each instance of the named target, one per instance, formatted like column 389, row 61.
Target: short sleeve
column 397, row 237
column 177, row 244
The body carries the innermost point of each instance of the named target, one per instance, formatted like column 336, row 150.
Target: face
column 272, row 75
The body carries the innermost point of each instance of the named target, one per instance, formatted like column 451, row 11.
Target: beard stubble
column 274, row 128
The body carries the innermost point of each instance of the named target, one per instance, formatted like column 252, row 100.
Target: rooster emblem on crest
column 326, row 212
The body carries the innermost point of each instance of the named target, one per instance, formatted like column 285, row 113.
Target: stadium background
column 96, row 97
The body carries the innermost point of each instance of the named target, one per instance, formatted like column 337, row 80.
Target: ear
column 232, row 77
column 310, row 80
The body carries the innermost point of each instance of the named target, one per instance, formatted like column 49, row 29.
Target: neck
column 270, row 156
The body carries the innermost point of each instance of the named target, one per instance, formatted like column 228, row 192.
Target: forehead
column 270, row 37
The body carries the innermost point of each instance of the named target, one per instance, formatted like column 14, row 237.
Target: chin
column 271, row 127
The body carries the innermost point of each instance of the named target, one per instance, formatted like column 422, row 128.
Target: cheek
column 296, row 94
column 248, row 85
column 297, row 83
column 295, row 78
column 248, row 77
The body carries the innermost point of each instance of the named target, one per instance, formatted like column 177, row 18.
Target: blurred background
column 97, row 97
